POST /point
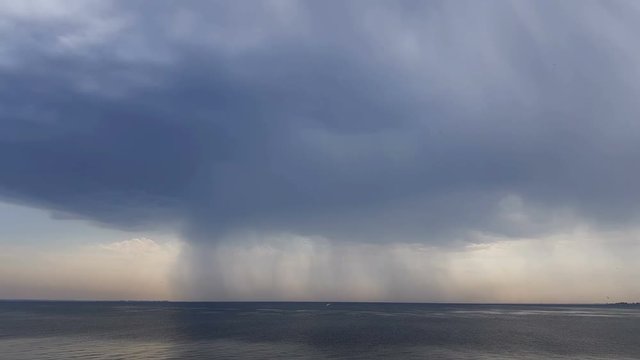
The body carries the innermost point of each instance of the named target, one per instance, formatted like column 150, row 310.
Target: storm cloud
column 355, row 121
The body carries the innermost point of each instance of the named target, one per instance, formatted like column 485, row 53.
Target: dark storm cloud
column 356, row 121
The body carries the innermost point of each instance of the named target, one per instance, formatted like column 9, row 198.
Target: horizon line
column 322, row 302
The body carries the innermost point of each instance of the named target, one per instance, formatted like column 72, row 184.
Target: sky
column 427, row 151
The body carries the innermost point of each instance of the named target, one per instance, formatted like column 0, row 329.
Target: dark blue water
column 150, row 330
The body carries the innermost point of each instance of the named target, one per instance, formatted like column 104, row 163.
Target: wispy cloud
column 132, row 269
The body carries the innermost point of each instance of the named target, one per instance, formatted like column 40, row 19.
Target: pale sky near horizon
column 427, row 151
column 44, row 258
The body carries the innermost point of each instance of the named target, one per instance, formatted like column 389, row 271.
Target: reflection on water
column 120, row 330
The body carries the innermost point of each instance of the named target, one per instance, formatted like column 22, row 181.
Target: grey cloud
column 363, row 121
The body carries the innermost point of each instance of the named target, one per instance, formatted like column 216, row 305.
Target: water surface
column 167, row 330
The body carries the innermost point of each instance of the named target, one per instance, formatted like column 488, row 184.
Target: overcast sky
column 320, row 150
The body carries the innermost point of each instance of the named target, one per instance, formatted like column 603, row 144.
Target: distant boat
column 328, row 304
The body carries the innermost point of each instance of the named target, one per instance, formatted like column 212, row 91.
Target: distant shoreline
column 623, row 303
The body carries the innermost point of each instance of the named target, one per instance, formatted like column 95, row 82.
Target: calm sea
column 162, row 330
